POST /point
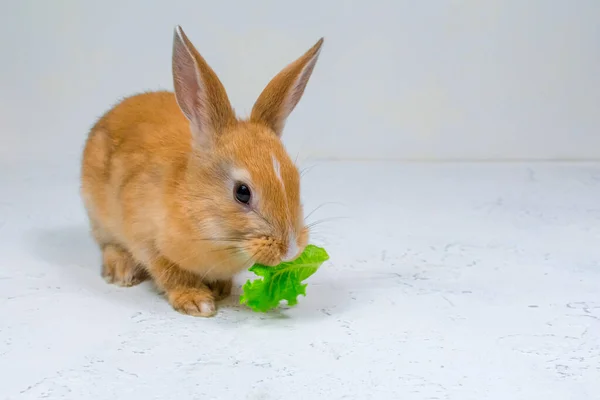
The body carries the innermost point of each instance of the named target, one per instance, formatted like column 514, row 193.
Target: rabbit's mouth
column 270, row 251
column 265, row 250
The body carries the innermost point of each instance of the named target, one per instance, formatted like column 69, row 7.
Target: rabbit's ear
column 199, row 92
column 283, row 93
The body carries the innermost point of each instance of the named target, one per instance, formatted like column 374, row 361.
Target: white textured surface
column 456, row 282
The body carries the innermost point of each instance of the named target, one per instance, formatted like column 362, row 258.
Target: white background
column 407, row 80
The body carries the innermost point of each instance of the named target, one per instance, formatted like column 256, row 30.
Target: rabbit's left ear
column 282, row 94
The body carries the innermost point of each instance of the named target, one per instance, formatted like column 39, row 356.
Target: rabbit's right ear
column 199, row 92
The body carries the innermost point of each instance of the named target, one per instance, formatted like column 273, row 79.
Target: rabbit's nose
column 292, row 249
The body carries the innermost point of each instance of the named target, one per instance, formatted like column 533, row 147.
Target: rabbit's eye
column 242, row 193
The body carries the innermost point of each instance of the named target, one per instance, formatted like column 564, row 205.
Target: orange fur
column 158, row 176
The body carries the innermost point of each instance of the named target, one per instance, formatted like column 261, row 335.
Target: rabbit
column 178, row 190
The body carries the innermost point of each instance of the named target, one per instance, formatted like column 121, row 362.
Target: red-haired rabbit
column 181, row 191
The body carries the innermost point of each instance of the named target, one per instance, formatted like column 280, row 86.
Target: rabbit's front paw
column 198, row 302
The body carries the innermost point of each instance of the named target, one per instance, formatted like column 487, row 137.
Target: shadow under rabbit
column 72, row 249
column 69, row 246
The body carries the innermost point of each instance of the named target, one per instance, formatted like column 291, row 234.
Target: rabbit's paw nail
column 196, row 302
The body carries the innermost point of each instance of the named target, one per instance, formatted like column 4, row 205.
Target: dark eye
column 242, row 193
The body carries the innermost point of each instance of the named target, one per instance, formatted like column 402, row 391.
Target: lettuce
column 282, row 282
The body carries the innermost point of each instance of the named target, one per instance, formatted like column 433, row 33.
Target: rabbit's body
column 134, row 165
column 166, row 176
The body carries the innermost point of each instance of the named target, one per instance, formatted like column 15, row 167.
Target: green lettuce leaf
column 282, row 282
